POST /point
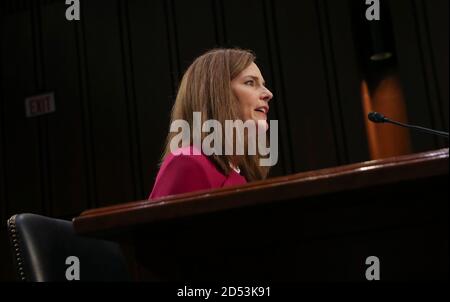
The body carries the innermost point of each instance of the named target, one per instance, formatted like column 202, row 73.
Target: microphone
column 379, row 118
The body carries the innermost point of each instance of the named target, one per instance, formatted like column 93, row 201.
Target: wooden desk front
column 314, row 226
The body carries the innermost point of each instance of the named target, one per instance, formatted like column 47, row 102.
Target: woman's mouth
column 263, row 109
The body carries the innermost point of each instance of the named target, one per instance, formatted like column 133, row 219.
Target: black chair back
column 42, row 246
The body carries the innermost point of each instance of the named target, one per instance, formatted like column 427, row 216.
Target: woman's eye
column 250, row 82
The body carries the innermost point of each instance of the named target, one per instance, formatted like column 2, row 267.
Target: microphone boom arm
column 380, row 118
column 440, row 133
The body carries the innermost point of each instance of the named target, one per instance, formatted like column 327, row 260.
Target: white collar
column 235, row 169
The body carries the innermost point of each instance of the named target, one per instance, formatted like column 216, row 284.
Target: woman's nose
column 267, row 95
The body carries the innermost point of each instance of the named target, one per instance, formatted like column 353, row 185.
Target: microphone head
column 376, row 117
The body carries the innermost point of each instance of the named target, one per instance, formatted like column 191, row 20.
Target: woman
column 220, row 85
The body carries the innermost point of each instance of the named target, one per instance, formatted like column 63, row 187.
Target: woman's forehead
column 253, row 71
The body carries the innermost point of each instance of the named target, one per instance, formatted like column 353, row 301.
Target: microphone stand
column 431, row 131
column 379, row 118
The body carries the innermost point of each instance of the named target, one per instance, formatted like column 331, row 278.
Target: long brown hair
column 206, row 88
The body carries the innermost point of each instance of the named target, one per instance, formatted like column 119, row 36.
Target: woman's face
column 253, row 96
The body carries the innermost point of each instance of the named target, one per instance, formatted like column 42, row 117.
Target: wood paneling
column 108, row 103
column 410, row 56
column 279, row 102
column 194, row 29
column 67, row 163
column 436, row 25
column 2, row 129
column 306, row 87
column 349, row 116
column 22, row 145
column 151, row 83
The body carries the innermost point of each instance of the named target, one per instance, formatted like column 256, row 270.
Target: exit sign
column 40, row 104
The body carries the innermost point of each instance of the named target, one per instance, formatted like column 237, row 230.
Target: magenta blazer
column 188, row 173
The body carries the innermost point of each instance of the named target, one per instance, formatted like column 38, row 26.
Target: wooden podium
column 315, row 226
